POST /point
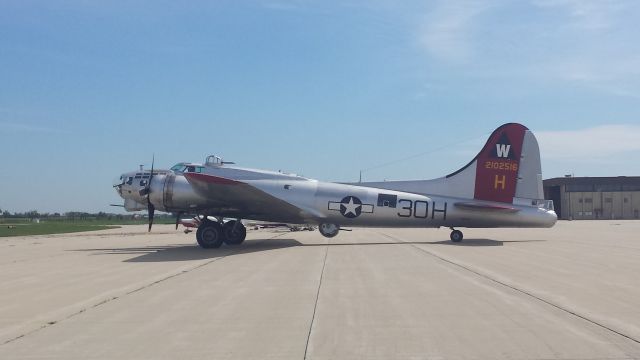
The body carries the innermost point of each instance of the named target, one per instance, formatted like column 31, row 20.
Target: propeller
column 151, row 209
column 178, row 218
column 147, row 191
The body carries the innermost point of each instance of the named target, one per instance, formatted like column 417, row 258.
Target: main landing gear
column 329, row 230
column 456, row 235
column 211, row 234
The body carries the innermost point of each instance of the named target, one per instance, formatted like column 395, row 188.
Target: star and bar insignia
column 351, row 207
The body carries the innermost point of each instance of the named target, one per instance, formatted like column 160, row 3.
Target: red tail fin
column 498, row 164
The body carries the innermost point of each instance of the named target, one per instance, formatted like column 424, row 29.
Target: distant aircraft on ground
column 500, row 187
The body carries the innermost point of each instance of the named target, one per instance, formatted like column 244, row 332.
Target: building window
column 588, row 200
column 580, row 200
column 626, row 200
column 608, row 200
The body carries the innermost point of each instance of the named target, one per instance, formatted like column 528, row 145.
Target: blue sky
column 89, row 90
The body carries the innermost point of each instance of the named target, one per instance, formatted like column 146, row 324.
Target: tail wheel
column 210, row 235
column 234, row 232
column 456, row 236
column 329, row 230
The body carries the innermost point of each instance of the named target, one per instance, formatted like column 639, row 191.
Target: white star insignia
column 351, row 207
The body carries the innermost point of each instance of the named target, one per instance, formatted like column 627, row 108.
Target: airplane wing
column 233, row 198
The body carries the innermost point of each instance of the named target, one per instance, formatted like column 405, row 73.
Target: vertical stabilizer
column 529, row 184
column 499, row 164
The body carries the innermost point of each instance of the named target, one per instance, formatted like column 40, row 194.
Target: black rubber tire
column 203, row 223
column 456, row 236
column 327, row 234
column 232, row 237
column 199, row 234
column 210, row 235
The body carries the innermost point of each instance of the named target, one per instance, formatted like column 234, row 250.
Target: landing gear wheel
column 202, row 223
column 210, row 235
column 329, row 230
column 234, row 232
column 456, row 236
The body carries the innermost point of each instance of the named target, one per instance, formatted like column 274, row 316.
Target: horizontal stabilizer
column 483, row 206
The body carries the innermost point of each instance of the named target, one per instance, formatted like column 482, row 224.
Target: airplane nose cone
column 116, row 182
column 122, row 185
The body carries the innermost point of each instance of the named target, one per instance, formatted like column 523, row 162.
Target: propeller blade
column 151, row 210
column 178, row 219
column 147, row 191
column 153, row 160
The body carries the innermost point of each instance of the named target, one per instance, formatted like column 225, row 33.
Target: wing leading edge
column 232, row 198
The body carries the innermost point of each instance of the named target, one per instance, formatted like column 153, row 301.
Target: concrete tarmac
column 570, row 292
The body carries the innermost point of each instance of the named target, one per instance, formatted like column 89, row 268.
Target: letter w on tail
column 503, row 150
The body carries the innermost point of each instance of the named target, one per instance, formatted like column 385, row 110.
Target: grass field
column 24, row 227
column 48, row 228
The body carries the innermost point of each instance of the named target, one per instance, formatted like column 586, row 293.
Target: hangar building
column 577, row 198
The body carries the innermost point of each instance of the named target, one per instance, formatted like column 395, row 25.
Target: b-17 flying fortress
column 500, row 187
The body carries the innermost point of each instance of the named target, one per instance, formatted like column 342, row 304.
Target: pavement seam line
column 108, row 300
column 315, row 306
column 522, row 291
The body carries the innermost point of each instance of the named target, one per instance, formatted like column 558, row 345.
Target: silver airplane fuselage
column 500, row 187
column 324, row 202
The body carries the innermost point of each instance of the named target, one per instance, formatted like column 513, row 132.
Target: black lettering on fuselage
column 419, row 209
column 407, row 209
column 443, row 211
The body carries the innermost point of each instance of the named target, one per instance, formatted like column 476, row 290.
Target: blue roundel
column 350, row 207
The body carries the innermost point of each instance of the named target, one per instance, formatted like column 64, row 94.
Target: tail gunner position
column 500, row 187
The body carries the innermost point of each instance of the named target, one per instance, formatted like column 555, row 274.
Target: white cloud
column 599, row 34
column 446, row 31
column 595, row 143
column 587, row 14
column 585, row 43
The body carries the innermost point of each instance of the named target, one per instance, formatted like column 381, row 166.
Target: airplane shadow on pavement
column 481, row 242
column 194, row 252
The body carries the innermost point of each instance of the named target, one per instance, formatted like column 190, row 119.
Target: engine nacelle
column 173, row 192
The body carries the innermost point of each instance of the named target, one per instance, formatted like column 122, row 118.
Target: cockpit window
column 178, row 167
column 182, row 168
column 130, row 180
